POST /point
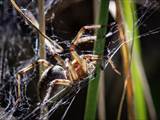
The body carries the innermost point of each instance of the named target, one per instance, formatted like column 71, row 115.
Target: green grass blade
column 131, row 31
column 92, row 94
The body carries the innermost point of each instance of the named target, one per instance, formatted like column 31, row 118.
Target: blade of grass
column 126, row 65
column 140, row 87
column 139, row 76
column 92, row 94
column 145, row 86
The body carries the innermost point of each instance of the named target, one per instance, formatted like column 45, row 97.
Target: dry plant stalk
column 42, row 28
column 42, row 51
column 126, row 63
column 101, row 102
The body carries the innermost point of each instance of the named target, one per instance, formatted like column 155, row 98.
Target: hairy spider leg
column 90, row 57
column 64, row 82
column 94, row 58
column 40, row 61
column 53, row 83
column 72, row 74
column 78, row 40
column 26, row 69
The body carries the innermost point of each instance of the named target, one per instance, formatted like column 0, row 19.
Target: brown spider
column 66, row 72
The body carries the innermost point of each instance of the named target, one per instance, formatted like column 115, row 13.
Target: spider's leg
column 79, row 40
column 71, row 71
column 60, row 61
column 24, row 70
column 64, row 82
column 54, row 53
column 91, row 57
column 94, row 58
column 55, row 82
column 76, row 41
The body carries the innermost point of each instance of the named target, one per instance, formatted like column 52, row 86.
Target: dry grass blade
column 41, row 28
column 126, row 64
column 128, row 18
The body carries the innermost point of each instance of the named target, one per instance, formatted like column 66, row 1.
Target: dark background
column 16, row 49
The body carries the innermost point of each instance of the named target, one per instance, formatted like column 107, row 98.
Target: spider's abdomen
column 50, row 74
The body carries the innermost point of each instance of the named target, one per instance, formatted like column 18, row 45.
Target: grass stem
column 92, row 94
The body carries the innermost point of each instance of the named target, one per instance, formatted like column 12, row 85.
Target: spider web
column 27, row 110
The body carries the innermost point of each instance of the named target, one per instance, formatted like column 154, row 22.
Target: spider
column 66, row 72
